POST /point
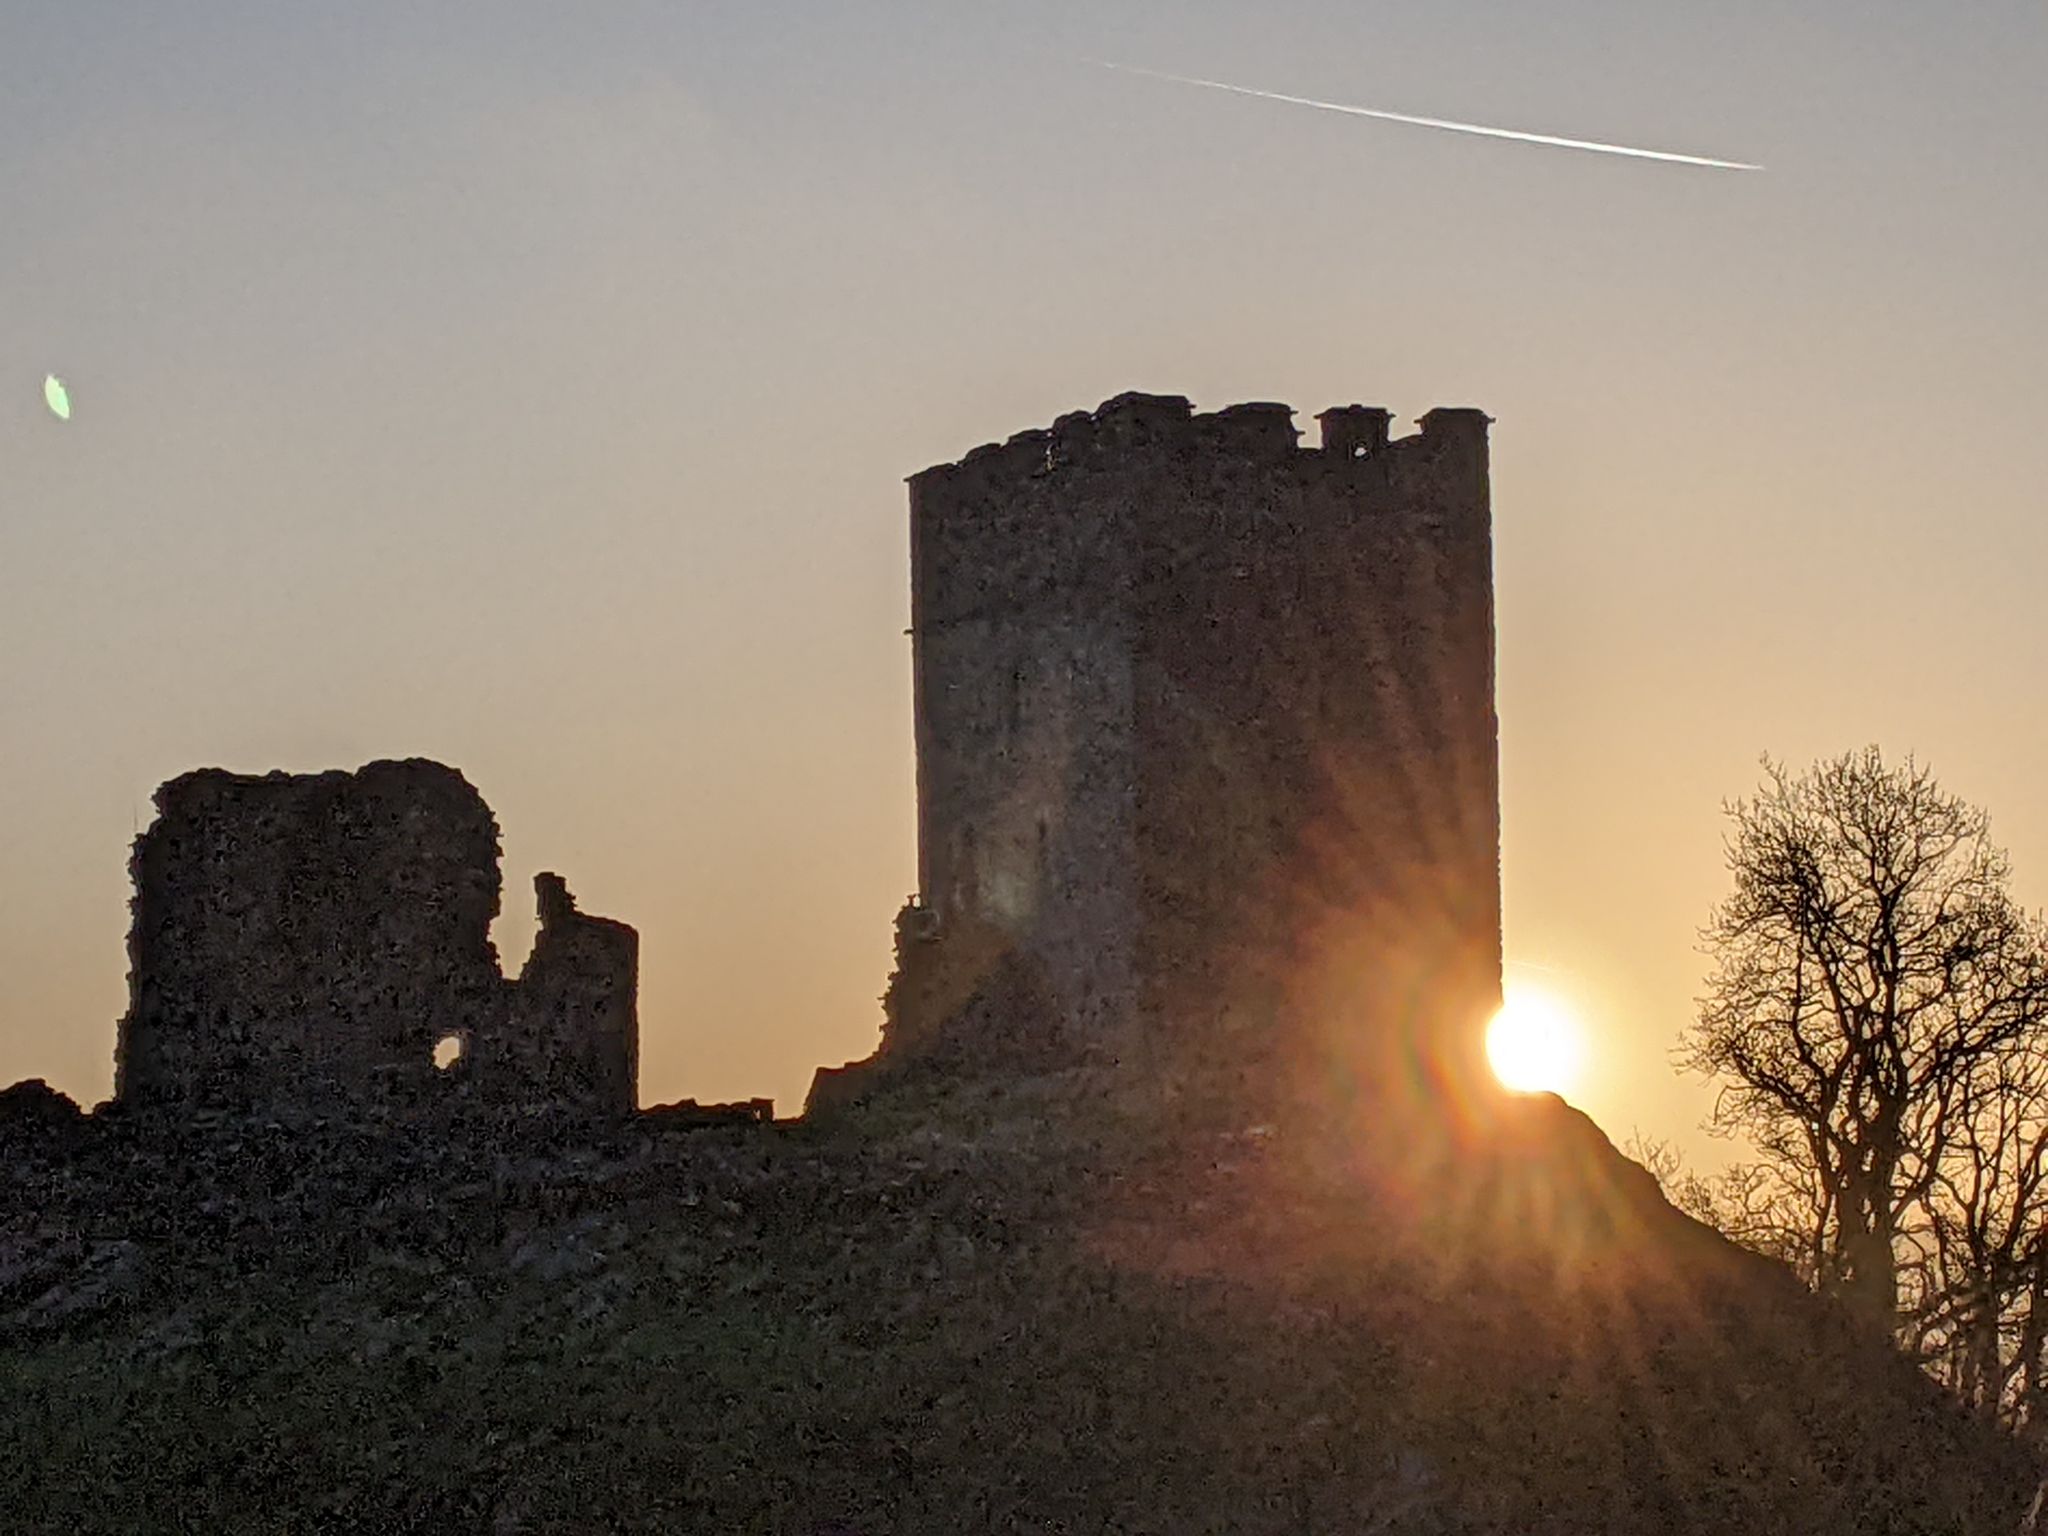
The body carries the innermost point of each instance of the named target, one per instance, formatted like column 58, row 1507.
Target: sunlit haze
column 531, row 386
column 1535, row 1043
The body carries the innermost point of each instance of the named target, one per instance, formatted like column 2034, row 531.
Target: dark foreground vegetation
column 995, row 1308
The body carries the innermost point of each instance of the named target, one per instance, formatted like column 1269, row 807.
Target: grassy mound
column 961, row 1309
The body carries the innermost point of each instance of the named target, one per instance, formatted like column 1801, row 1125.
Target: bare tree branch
column 1876, row 1022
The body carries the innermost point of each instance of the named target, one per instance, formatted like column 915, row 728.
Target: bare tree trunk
column 1871, row 1281
column 2030, row 1522
column 2033, row 1369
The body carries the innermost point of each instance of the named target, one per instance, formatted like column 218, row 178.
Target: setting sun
column 1534, row 1043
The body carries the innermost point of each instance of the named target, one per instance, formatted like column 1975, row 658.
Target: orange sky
column 533, row 390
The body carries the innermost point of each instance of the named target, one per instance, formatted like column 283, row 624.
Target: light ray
column 1553, row 140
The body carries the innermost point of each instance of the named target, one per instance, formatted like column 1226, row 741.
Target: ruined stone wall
column 1245, row 687
column 569, row 1037
column 303, row 943
column 300, row 941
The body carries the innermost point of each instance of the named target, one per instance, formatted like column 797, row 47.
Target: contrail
column 1435, row 122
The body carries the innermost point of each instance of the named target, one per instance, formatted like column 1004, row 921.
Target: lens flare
column 1534, row 1043
column 56, row 397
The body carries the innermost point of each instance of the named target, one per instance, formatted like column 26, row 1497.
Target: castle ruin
column 318, row 945
column 1205, row 727
column 1206, row 754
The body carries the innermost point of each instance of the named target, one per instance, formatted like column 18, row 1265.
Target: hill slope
column 985, row 1307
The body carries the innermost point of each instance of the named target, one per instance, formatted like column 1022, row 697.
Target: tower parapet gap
column 1356, row 431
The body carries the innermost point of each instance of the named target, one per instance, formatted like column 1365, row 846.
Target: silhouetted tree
column 1875, row 1020
column 1976, row 1261
column 1973, row 1261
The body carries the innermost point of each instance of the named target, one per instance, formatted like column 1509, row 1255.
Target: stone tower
column 1205, row 723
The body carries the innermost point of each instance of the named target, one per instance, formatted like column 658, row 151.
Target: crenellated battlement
column 1133, row 426
column 1101, row 502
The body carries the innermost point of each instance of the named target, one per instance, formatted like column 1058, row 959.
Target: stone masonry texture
column 302, row 943
column 571, row 1035
column 1205, row 719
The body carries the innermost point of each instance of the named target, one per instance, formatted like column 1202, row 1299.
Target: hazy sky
column 531, row 386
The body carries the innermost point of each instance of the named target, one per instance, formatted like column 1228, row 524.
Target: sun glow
column 1535, row 1044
